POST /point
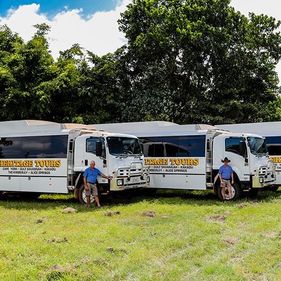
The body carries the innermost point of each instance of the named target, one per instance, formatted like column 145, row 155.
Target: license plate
column 134, row 180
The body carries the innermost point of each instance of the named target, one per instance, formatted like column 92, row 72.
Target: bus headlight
column 120, row 182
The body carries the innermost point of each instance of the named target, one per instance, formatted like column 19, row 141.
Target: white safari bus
column 189, row 156
column 46, row 157
column 271, row 131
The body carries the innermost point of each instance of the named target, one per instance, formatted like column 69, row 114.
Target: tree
column 64, row 90
column 195, row 61
column 26, row 68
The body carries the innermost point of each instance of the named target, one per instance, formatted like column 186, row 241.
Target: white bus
column 189, row 156
column 45, row 157
column 271, row 131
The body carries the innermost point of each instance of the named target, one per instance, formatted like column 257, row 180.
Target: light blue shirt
column 91, row 175
column 225, row 172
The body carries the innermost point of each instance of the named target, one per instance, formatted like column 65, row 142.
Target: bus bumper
column 128, row 178
column 263, row 180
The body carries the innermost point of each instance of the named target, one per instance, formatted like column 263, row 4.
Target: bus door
column 86, row 147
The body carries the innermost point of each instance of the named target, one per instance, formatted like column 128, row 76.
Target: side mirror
column 99, row 148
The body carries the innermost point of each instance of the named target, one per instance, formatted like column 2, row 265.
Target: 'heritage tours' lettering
column 47, row 163
column 30, row 163
column 275, row 159
column 171, row 161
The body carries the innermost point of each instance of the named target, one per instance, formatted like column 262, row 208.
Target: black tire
column 253, row 193
column 274, row 188
column 236, row 192
column 30, row 195
column 148, row 191
column 82, row 196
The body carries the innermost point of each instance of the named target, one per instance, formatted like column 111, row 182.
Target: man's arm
column 220, row 174
column 232, row 178
column 85, row 183
column 104, row 176
column 85, row 180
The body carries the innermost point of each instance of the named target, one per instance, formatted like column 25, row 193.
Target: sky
column 92, row 23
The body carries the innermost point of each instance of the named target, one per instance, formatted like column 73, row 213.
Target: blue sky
column 52, row 7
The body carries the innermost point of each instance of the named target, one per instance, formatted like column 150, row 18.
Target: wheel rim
column 84, row 197
column 229, row 193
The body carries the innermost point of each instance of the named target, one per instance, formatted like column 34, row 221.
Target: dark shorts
column 93, row 190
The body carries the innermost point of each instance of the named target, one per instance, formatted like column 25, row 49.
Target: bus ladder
column 70, row 161
column 209, row 169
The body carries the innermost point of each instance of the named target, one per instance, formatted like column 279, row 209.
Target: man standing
column 226, row 177
column 90, row 182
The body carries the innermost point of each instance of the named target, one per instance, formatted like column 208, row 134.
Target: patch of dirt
column 57, row 272
column 230, row 240
column 116, row 251
column 112, row 213
column 218, row 218
column 164, row 217
column 271, row 235
column 237, row 259
column 242, row 205
column 69, row 210
column 85, row 259
column 101, row 262
column 150, row 214
column 58, row 240
column 39, row 221
column 58, row 267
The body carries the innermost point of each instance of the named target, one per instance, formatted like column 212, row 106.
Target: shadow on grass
column 198, row 198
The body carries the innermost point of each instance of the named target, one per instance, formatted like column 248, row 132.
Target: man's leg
column 223, row 190
column 230, row 189
column 96, row 195
column 97, row 201
column 88, row 197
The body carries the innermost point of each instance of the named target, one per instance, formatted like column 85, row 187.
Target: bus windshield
column 123, row 146
column 257, row 145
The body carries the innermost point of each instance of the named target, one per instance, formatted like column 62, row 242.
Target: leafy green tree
column 198, row 61
column 27, row 66
column 64, row 90
column 9, row 43
column 101, row 89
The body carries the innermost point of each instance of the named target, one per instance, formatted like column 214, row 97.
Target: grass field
column 192, row 236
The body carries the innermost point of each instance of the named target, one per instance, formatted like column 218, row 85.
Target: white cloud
column 268, row 7
column 98, row 33
column 22, row 20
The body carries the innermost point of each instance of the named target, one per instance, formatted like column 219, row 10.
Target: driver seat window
column 91, row 145
column 234, row 145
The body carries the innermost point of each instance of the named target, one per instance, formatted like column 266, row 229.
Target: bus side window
column 155, row 150
column 274, row 149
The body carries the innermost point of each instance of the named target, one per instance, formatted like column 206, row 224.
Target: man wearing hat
column 226, row 177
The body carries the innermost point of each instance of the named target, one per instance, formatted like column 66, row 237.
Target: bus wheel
column 229, row 195
column 274, row 188
column 82, row 196
column 252, row 193
column 30, row 195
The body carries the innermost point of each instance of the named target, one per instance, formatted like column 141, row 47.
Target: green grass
column 192, row 237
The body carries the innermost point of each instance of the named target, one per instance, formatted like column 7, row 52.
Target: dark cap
column 225, row 160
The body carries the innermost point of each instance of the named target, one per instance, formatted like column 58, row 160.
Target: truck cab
column 116, row 155
column 249, row 159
